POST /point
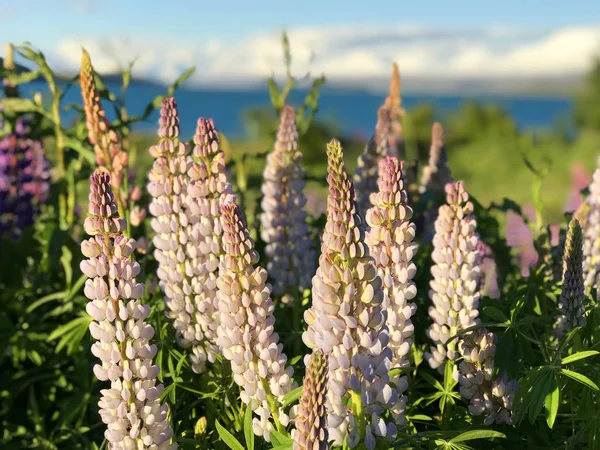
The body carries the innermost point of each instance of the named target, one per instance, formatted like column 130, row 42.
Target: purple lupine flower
column 24, row 179
column 131, row 407
column 390, row 241
column 346, row 321
column 489, row 396
column 366, row 174
column 456, row 272
column 291, row 260
column 246, row 326
column 570, row 302
column 310, row 432
column 591, row 235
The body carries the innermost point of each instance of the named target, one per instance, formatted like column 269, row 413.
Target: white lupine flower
column 130, row 408
column 570, row 302
column 454, row 289
column 346, row 322
column 207, row 190
column 175, row 242
column 291, row 262
column 366, row 174
column 591, row 235
column 390, row 241
column 475, row 375
column 246, row 326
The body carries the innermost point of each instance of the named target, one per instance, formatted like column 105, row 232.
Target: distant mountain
column 540, row 86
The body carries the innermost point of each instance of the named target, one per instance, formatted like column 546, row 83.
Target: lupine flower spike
column 591, row 236
column 436, row 174
column 24, row 179
column 487, row 396
column 291, row 261
column 346, row 322
column 393, row 103
column 390, row 240
column 311, row 420
column 207, row 190
column 570, row 302
column 168, row 182
column 131, row 407
column 107, row 144
column 366, row 174
column 454, row 289
column 246, row 327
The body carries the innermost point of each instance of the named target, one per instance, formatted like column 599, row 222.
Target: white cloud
column 349, row 53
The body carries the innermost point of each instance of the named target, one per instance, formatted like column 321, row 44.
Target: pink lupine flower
column 290, row 257
column 390, row 241
column 346, row 321
column 131, row 407
column 456, row 272
column 246, row 326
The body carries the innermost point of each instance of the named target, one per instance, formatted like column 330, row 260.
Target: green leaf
column 477, row 434
column 291, row 397
column 228, row 438
column 580, row 378
column 540, row 388
column 552, row 402
column 45, row 299
column 155, row 103
column 495, row 314
column 22, row 106
column 579, row 355
column 248, row 432
column 19, row 78
column 80, row 148
column 278, row 438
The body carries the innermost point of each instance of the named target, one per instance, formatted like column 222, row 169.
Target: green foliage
column 49, row 395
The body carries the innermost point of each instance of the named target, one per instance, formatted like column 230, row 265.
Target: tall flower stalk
column 390, row 241
column 591, row 236
column 185, row 191
column 24, row 179
column 436, row 173
column 246, row 327
column 107, row 144
column 284, row 228
column 454, row 289
column 346, row 321
column 131, row 407
column 366, row 174
column 572, row 295
column 393, row 103
column 310, row 432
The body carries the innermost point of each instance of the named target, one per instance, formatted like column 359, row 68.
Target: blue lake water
column 353, row 112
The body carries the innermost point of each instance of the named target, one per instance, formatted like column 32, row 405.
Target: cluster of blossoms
column 591, row 236
column 570, row 302
column 393, row 103
column 24, row 179
column 346, row 321
column 186, row 194
column 366, row 174
column 284, row 228
column 310, row 431
column 456, row 272
column 390, row 240
column 520, row 237
column 246, row 326
column 131, row 407
column 475, row 376
column 107, row 144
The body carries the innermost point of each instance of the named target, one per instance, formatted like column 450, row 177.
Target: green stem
column 60, row 154
column 273, row 405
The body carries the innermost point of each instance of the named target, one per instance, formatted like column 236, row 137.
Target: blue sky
column 457, row 36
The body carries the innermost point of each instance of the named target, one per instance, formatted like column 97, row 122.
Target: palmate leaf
column 71, row 334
